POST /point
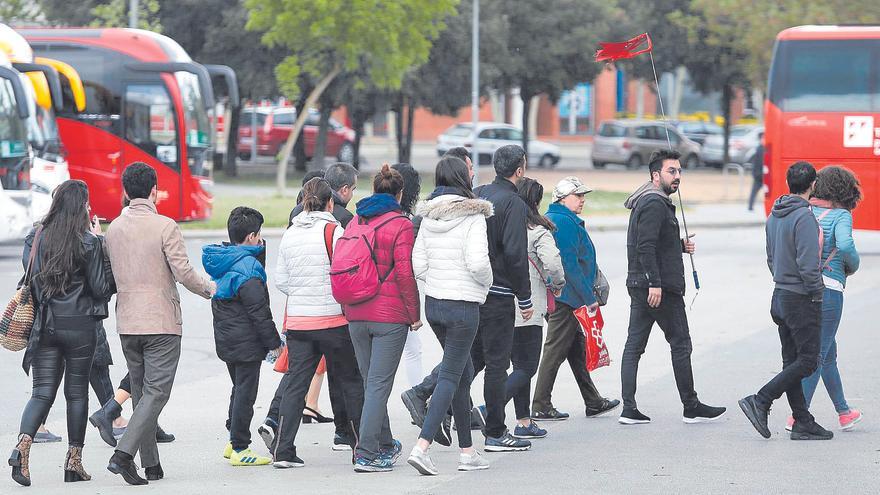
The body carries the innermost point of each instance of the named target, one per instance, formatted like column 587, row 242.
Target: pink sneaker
column 789, row 424
column 849, row 419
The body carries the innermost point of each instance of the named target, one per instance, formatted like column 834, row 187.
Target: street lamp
column 475, row 88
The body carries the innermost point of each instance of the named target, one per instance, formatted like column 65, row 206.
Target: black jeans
column 66, row 352
column 491, row 350
column 672, row 318
column 305, row 348
column 525, row 356
column 458, row 322
column 565, row 342
column 101, row 383
column 800, row 322
column 245, row 383
column 337, row 404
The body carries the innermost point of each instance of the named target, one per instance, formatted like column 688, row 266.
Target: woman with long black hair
column 71, row 283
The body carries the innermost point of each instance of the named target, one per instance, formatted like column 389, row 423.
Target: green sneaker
column 227, row 452
column 247, row 457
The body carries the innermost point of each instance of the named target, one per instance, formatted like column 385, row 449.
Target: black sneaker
column 756, row 414
column 342, row 442
column 633, row 417
column 506, row 443
column 416, row 406
column 549, row 415
column 444, row 435
column 702, row 413
column 810, row 431
column 162, row 437
column 605, row 406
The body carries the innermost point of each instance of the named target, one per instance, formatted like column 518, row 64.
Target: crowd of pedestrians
column 483, row 267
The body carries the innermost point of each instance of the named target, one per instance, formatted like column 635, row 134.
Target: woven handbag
column 18, row 318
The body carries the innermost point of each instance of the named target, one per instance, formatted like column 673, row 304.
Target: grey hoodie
column 793, row 247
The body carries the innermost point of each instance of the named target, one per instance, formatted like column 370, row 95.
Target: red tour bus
column 823, row 106
column 147, row 101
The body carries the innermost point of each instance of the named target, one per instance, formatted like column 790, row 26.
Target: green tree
column 19, row 11
column 115, row 14
column 67, row 13
column 325, row 38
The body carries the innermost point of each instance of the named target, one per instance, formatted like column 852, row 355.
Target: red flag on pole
column 625, row 49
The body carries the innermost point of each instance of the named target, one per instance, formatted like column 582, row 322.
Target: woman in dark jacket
column 71, row 284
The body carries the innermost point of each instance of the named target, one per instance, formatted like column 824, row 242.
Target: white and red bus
column 823, row 106
column 146, row 100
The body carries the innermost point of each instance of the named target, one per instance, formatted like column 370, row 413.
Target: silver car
column 743, row 139
column 493, row 136
column 631, row 142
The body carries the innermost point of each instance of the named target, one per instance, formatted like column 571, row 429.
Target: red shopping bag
column 281, row 362
column 592, row 324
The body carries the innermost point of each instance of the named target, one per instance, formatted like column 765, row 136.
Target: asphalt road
column 736, row 349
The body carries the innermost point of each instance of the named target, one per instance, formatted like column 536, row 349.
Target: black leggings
column 68, row 353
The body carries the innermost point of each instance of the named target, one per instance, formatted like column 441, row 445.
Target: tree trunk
column 526, row 98
column 233, row 119
column 317, row 162
column 408, row 138
column 281, row 175
column 358, row 133
column 726, row 97
column 399, row 126
column 299, row 149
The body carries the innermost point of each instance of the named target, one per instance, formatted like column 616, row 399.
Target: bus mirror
column 21, row 101
column 229, row 78
column 73, row 80
column 51, row 76
column 199, row 70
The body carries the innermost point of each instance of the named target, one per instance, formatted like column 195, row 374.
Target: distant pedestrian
column 757, row 162
column 655, row 281
column 342, row 178
column 837, row 193
column 565, row 338
column 464, row 155
column 793, row 256
column 244, row 331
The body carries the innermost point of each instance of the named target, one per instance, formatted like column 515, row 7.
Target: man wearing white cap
column 564, row 338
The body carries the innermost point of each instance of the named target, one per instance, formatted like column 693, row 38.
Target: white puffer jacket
column 451, row 253
column 303, row 269
column 543, row 253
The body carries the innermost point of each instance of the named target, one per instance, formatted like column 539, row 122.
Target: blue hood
column 377, row 204
column 231, row 265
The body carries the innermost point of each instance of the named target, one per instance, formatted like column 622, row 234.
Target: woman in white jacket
column 546, row 273
column 315, row 324
column 451, row 255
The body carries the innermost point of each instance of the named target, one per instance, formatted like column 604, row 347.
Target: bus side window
column 149, row 122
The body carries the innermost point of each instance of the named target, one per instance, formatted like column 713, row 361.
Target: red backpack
column 354, row 272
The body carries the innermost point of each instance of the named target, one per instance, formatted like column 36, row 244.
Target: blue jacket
column 837, row 231
column 578, row 256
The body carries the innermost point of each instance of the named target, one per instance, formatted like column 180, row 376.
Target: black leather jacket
column 87, row 297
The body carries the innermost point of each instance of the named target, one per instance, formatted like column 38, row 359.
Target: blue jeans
column 832, row 309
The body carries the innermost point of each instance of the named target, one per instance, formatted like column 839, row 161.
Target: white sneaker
column 419, row 459
column 267, row 433
column 472, row 462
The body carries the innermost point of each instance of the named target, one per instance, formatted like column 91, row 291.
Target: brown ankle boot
column 73, row 468
column 20, row 460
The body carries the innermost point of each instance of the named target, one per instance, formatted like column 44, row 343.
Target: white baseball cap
column 569, row 185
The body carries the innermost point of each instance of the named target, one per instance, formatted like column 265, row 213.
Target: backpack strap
column 329, row 230
column 373, row 248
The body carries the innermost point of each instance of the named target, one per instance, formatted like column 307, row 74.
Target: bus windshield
column 14, row 161
column 826, row 76
column 198, row 126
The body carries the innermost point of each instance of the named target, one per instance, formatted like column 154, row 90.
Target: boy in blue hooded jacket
column 244, row 331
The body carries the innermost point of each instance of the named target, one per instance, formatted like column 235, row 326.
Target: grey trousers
column 378, row 347
column 152, row 364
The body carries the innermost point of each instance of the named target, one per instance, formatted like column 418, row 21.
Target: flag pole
column 669, row 144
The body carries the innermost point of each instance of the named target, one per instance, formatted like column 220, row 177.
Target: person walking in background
column 315, row 324
column 71, row 283
column 464, row 155
column 565, row 339
column 757, row 162
column 451, row 256
column 149, row 258
column 793, row 254
column 342, row 178
column 412, row 351
column 836, row 194
column 379, row 325
column 655, row 281
column 243, row 328
column 547, row 278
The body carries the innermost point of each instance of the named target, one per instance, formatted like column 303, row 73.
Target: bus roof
column 830, row 33
column 140, row 44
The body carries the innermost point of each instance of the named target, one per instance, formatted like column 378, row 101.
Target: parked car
column 274, row 125
column 492, row 136
column 631, row 142
column 697, row 131
column 743, row 139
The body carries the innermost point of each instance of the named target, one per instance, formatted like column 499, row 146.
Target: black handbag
column 601, row 288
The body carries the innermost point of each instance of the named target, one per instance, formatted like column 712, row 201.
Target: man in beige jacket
column 148, row 257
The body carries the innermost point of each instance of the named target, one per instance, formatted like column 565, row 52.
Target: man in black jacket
column 793, row 255
column 244, row 331
column 655, row 281
column 342, row 178
column 508, row 253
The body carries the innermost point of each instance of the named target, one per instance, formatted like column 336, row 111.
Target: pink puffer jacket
column 398, row 298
